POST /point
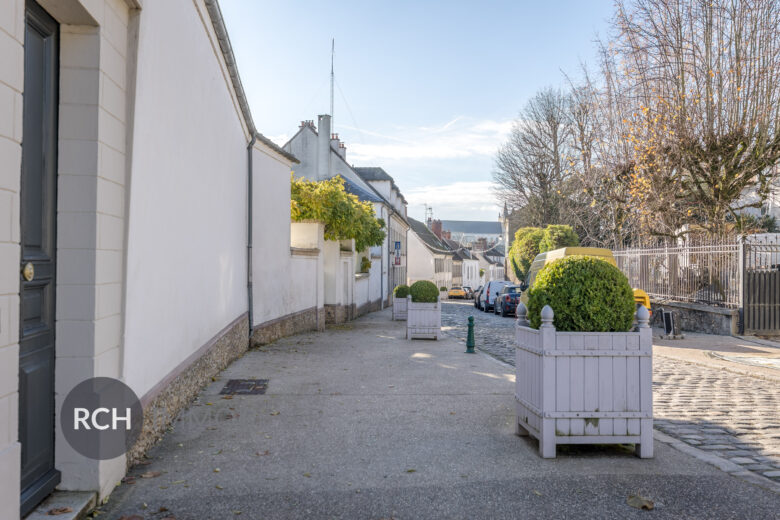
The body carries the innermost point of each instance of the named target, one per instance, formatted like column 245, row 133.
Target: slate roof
column 429, row 239
column 496, row 250
column 375, row 173
column 472, row 227
column 354, row 189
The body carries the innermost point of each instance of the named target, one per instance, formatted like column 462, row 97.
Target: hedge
column 424, row 292
column 586, row 294
column 401, row 291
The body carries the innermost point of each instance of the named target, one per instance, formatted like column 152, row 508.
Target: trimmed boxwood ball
column 424, row 292
column 442, row 289
column 586, row 294
column 401, row 291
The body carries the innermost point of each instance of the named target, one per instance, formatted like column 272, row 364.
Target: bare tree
column 710, row 72
column 530, row 170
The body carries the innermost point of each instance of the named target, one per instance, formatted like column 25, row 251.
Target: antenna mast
column 332, row 52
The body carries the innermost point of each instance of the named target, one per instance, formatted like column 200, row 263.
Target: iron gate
column 761, row 290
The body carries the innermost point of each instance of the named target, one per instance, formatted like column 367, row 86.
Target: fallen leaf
column 219, row 487
column 307, row 475
column 411, row 470
column 209, row 404
column 133, row 517
column 274, row 413
column 128, row 480
column 216, row 470
column 151, row 474
column 266, row 452
column 162, row 509
column 640, row 503
column 59, row 511
column 178, row 482
column 227, row 397
column 537, row 493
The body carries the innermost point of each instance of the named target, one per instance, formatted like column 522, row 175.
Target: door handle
column 28, row 271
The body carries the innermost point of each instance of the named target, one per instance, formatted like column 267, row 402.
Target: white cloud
column 458, row 138
column 465, row 200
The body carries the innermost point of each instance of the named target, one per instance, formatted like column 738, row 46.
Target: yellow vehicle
column 457, row 292
column 542, row 259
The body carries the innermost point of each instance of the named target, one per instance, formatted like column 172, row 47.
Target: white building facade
column 156, row 234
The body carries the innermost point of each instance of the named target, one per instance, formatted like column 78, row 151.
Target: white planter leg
column 645, row 447
column 547, row 439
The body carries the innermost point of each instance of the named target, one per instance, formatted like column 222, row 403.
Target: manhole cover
column 245, row 387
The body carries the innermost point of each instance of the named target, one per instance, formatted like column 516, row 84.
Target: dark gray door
column 38, row 268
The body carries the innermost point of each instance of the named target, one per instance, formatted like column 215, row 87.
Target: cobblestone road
column 736, row 417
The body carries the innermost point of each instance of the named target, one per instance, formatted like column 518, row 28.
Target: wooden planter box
column 423, row 320
column 584, row 387
column 399, row 308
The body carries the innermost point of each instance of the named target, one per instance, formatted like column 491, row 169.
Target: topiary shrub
column 442, row 289
column 401, row 291
column 586, row 294
column 424, row 292
column 557, row 236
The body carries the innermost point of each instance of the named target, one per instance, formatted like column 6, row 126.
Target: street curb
column 733, row 469
column 760, row 341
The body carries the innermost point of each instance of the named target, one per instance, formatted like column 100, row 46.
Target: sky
column 428, row 90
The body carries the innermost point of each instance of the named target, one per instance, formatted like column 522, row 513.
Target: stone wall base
column 335, row 314
column 302, row 321
column 369, row 307
column 174, row 393
column 696, row 317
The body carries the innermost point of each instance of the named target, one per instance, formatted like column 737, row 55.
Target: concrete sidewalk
column 358, row 422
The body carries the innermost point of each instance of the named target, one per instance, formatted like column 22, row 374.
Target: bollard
column 470, row 337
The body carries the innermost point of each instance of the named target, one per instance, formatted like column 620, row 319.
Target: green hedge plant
column 586, row 294
column 442, row 289
column 424, row 292
column 401, row 291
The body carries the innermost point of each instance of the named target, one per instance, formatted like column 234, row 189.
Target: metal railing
column 708, row 273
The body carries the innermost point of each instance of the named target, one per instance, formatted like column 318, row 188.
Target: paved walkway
column 702, row 395
column 358, row 422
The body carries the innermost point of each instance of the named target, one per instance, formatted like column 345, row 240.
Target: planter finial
column 522, row 314
column 547, row 316
column 642, row 316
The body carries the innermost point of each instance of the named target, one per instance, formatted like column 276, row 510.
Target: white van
column 489, row 293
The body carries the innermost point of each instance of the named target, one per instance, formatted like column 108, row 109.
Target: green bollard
column 470, row 337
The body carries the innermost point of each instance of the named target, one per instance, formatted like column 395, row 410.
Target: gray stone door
column 38, row 257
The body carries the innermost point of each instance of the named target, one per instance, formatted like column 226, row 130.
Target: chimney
column 436, row 228
column 339, row 147
column 447, row 235
column 323, row 148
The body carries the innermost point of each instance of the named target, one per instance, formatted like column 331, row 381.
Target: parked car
column 507, row 300
column 491, row 291
column 469, row 292
column 477, row 296
column 457, row 292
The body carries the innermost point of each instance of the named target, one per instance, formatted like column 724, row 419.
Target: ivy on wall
column 345, row 217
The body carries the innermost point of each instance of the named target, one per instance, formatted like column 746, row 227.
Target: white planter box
column 584, row 387
column 399, row 308
column 423, row 320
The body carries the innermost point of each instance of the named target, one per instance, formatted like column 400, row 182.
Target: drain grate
column 245, row 387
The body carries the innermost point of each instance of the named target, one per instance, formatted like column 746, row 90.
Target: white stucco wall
column 186, row 260
column 11, row 79
column 283, row 283
column 420, row 265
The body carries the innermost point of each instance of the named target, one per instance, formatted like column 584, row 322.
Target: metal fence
column 703, row 273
